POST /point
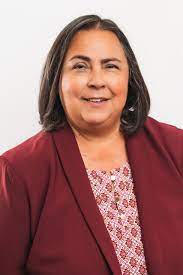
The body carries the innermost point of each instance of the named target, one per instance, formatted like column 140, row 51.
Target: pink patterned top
column 114, row 194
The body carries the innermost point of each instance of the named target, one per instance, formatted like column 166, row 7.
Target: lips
column 95, row 99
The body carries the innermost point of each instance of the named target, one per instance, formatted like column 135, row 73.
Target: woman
column 99, row 189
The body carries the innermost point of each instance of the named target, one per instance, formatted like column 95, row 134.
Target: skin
column 96, row 128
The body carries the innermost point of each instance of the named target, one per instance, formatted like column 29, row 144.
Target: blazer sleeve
column 181, row 151
column 14, row 221
column 179, row 145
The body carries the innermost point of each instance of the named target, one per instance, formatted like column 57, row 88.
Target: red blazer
column 50, row 223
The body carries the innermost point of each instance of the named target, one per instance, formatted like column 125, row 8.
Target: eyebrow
column 88, row 59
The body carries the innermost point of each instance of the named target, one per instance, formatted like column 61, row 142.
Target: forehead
column 96, row 43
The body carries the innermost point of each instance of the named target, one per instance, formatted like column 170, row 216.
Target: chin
column 95, row 120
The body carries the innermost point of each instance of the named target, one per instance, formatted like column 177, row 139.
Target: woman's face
column 95, row 68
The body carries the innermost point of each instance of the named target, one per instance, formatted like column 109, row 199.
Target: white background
column 28, row 29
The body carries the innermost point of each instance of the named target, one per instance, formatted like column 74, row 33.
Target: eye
column 79, row 66
column 111, row 66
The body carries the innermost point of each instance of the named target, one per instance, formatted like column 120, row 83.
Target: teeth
column 95, row 100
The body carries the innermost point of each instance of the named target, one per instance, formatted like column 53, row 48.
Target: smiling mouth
column 95, row 100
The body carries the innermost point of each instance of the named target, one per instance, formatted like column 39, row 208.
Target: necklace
column 116, row 195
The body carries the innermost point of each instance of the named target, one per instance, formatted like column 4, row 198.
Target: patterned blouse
column 114, row 194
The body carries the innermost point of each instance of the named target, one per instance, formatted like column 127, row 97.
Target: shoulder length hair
column 52, row 115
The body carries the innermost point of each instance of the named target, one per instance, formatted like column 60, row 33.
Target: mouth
column 95, row 99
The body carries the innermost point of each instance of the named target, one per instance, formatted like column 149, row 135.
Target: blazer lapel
column 74, row 168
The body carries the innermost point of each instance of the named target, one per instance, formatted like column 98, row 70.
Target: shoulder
column 163, row 131
column 32, row 148
column 26, row 173
column 167, row 138
column 159, row 125
column 29, row 157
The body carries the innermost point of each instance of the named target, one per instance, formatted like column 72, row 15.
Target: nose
column 96, row 79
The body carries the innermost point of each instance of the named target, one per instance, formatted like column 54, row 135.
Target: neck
column 94, row 138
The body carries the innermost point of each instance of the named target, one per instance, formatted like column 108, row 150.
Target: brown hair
column 52, row 115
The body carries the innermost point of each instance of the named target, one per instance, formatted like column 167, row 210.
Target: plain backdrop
column 28, row 29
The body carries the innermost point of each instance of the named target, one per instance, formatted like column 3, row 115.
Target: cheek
column 119, row 83
column 119, row 86
column 72, row 85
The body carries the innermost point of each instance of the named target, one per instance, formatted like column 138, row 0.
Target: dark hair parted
column 52, row 115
